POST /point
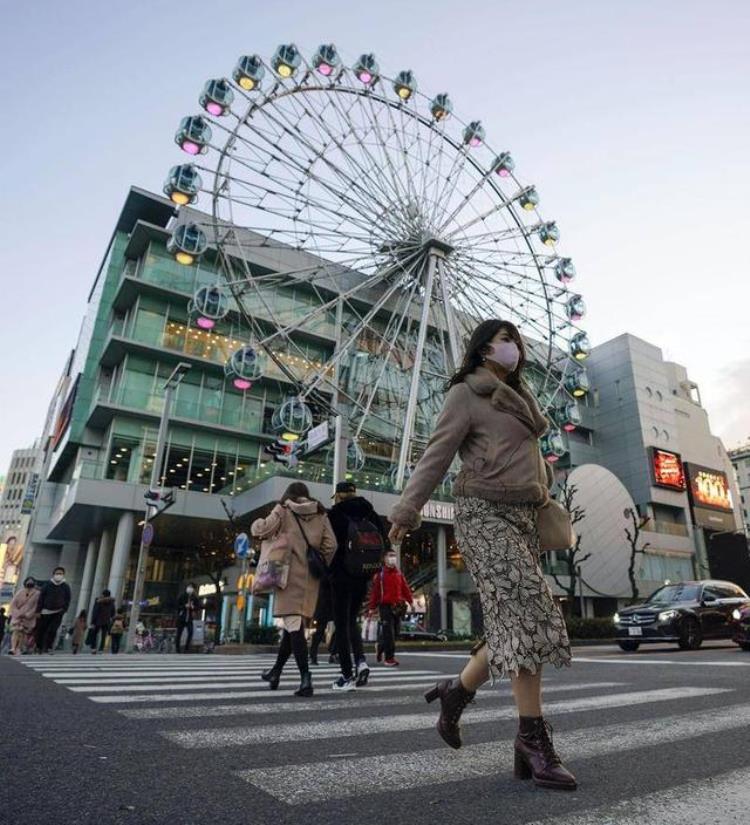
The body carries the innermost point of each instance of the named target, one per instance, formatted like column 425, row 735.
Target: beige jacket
column 495, row 430
column 300, row 595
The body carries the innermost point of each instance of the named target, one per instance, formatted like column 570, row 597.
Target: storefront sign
column 438, row 511
column 710, row 497
column 668, row 470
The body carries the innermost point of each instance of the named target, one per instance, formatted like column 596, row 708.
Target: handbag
column 554, row 527
column 315, row 561
column 91, row 637
column 272, row 572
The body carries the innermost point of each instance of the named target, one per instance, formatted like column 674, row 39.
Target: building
column 740, row 458
column 643, row 422
column 16, row 505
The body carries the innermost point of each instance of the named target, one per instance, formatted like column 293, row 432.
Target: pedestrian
column 360, row 541
column 491, row 418
column 296, row 533
column 323, row 615
column 101, row 619
column 78, row 631
column 116, row 631
column 54, row 601
column 23, row 608
column 187, row 608
column 389, row 593
column 3, row 620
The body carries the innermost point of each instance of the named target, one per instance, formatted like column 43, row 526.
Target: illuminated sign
column 438, row 511
column 668, row 470
column 709, row 488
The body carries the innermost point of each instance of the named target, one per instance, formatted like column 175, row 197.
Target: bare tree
column 572, row 558
column 633, row 535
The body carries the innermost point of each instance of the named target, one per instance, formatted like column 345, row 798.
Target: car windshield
column 674, row 593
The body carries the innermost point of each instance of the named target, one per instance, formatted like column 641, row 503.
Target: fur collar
column 302, row 508
column 519, row 403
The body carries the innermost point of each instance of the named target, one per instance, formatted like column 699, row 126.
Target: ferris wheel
column 362, row 231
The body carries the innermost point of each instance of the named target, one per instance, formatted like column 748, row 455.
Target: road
column 657, row 737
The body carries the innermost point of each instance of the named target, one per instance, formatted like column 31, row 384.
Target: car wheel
column 691, row 636
column 629, row 647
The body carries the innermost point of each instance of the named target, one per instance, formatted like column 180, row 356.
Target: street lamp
column 153, row 497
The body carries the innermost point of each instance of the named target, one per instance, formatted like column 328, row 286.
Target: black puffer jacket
column 340, row 515
column 103, row 612
column 55, row 597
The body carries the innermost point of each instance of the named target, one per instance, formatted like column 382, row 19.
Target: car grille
column 638, row 618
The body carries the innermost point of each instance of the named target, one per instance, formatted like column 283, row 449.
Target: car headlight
column 616, row 618
column 666, row 615
column 736, row 615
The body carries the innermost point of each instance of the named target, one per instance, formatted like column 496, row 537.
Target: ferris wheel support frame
column 434, row 254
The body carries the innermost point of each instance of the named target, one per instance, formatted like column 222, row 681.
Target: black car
column 741, row 635
column 685, row 613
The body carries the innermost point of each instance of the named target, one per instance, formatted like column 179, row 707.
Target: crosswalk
column 218, row 704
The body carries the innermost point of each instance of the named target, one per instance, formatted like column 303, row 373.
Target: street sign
column 148, row 535
column 317, row 436
column 242, row 546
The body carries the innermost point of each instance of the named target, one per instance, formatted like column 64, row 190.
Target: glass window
column 177, row 466
column 149, row 326
column 211, row 398
column 137, row 386
column 174, row 336
column 187, row 396
column 223, row 478
column 120, row 458
column 200, row 471
column 231, row 411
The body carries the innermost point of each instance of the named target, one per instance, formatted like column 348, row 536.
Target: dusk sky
column 632, row 119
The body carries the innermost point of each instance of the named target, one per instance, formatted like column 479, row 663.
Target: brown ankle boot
column 453, row 700
column 535, row 756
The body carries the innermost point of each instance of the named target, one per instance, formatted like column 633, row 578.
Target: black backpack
column 364, row 548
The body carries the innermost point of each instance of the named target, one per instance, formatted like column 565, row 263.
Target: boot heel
column 521, row 770
column 432, row 694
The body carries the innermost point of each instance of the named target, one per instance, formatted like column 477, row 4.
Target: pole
column 411, row 407
column 243, row 592
column 156, row 483
column 580, row 591
column 450, row 320
column 340, row 449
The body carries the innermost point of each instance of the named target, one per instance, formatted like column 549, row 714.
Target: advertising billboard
column 667, row 470
column 710, row 497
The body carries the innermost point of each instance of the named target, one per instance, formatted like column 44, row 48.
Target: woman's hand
column 397, row 533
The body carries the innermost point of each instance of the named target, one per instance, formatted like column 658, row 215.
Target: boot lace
column 544, row 735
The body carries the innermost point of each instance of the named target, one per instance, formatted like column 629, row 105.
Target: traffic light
column 285, row 452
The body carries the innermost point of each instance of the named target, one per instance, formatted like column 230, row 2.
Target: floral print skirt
column 524, row 628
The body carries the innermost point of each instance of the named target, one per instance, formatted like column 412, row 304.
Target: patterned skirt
column 524, row 628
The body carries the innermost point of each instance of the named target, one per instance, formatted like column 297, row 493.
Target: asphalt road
column 658, row 737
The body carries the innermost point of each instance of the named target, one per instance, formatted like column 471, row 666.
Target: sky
column 632, row 118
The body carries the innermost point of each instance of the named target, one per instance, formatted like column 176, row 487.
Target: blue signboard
column 242, row 546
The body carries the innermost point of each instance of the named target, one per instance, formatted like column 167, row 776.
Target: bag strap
column 304, row 534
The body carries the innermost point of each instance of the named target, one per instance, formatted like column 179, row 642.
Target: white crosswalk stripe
column 266, row 734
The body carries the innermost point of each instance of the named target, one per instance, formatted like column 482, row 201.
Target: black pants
column 293, row 643
column 46, row 630
column 323, row 615
column 101, row 634
column 188, row 625
column 115, row 640
column 348, row 595
column 389, row 623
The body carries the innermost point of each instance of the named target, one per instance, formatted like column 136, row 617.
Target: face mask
column 390, row 561
column 29, row 585
column 505, row 354
column 189, row 591
column 57, row 578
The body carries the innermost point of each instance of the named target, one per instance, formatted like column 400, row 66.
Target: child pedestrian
column 78, row 631
column 116, row 632
column 390, row 593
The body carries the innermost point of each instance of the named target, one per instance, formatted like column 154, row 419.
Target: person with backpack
column 297, row 547
column 116, row 631
column 390, row 592
column 360, row 540
column 101, row 618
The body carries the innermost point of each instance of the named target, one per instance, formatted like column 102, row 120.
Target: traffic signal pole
column 152, row 509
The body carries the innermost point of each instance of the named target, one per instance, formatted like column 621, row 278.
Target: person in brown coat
column 300, row 521
column 492, row 420
column 23, row 616
column 78, row 631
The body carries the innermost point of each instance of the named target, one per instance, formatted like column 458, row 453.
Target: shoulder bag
column 553, row 524
column 315, row 561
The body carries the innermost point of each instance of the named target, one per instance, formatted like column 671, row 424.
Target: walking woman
column 23, row 609
column 78, row 631
column 492, row 420
column 296, row 523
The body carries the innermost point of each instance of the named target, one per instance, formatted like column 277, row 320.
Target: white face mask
column 189, row 591
column 57, row 578
column 390, row 561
